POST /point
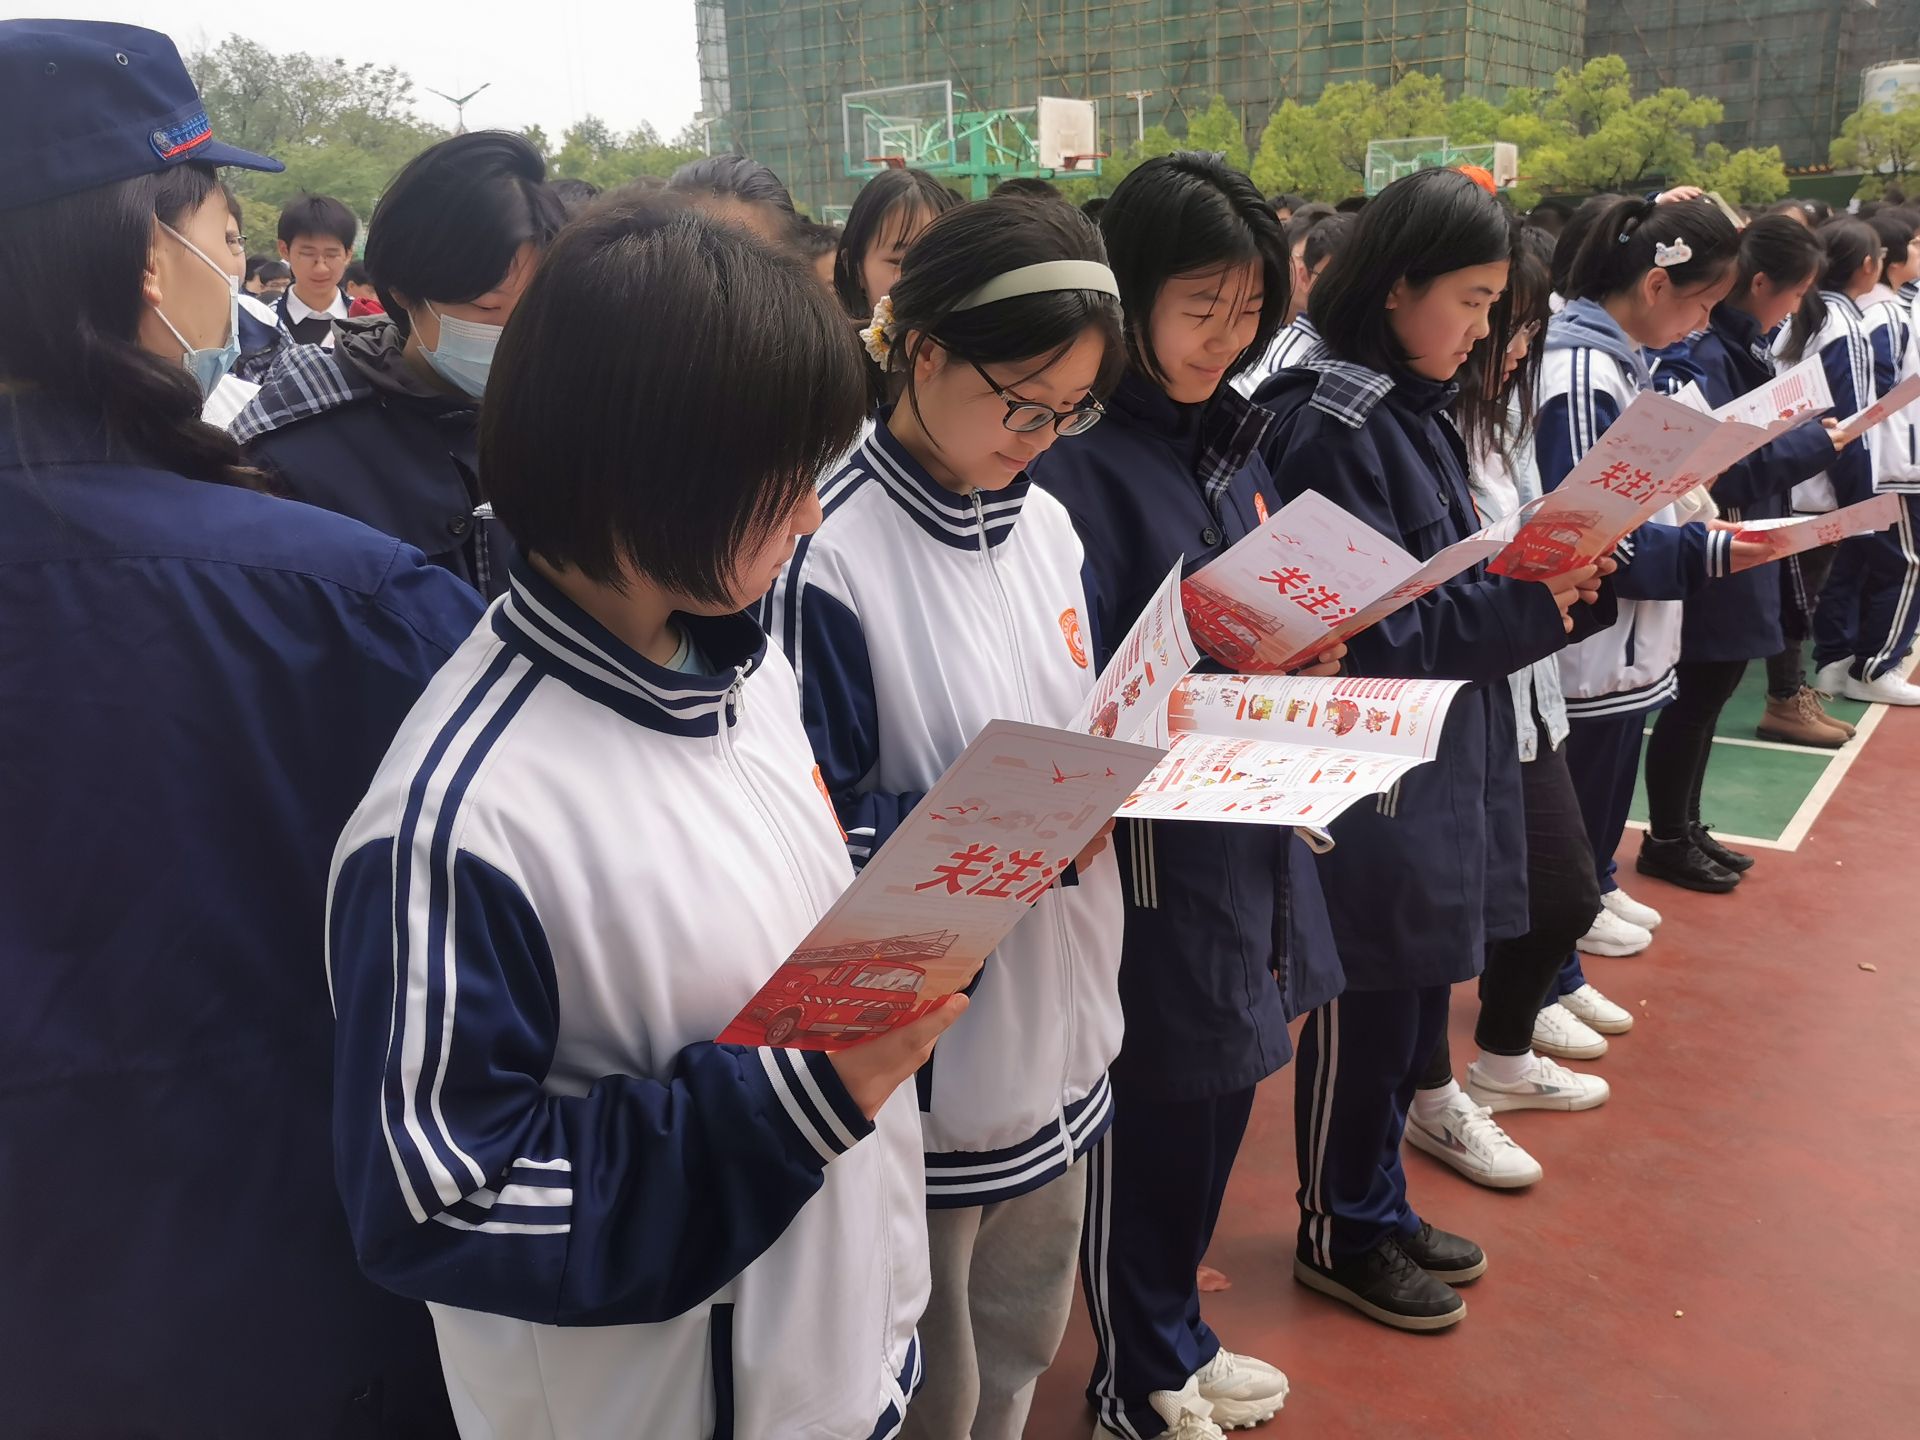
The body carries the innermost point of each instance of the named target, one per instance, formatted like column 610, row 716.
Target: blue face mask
column 465, row 352
column 208, row 366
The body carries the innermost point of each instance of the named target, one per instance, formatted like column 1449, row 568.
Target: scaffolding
column 1786, row 71
column 773, row 71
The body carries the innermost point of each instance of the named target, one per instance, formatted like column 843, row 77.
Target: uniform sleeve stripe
column 798, row 1113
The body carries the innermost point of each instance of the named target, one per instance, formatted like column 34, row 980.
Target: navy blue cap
column 85, row 103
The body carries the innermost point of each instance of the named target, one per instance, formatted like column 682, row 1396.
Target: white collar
column 298, row 309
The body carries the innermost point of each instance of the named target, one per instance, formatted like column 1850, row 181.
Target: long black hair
column 1489, row 418
column 890, row 196
column 1422, row 226
column 1780, row 248
column 75, row 267
column 1625, row 236
column 1190, row 213
column 451, row 222
column 1845, row 246
column 974, row 243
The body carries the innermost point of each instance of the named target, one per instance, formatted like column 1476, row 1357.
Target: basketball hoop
column 892, row 162
column 1072, row 162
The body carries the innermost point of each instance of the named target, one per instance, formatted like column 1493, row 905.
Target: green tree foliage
column 591, row 150
column 343, row 130
column 1884, row 143
column 1220, row 130
column 1744, row 177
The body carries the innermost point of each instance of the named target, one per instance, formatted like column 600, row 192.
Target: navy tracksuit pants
column 1157, row 1177
column 1355, row 1070
column 1870, row 609
column 1603, row 756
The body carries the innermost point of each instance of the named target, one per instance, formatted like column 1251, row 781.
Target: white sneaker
column 1244, row 1392
column 1829, row 679
column 1558, row 1031
column 1597, row 1012
column 1188, row 1415
column 1468, row 1138
column 1631, row 910
column 1547, row 1086
column 1889, row 689
column 1612, row 935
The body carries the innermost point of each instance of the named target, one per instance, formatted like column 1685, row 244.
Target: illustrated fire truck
column 1227, row 631
column 842, row 992
column 1550, row 546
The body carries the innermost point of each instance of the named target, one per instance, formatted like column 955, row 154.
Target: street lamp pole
column 1139, row 98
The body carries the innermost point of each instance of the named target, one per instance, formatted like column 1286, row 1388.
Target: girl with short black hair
column 942, row 592
column 1225, row 933
column 384, row 426
column 1402, row 308
column 887, row 217
column 602, row 821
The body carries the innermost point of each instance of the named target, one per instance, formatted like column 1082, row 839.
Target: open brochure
column 1311, row 577
column 1660, row 448
column 1129, row 699
column 1287, row 750
column 1886, row 407
column 987, row 841
column 1791, row 534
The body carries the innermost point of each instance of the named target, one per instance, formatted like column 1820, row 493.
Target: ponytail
column 75, row 265
column 1630, row 237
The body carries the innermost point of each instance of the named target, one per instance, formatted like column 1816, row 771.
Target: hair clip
column 878, row 336
column 1667, row 256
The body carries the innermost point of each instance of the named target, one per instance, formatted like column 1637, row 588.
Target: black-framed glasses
column 1026, row 416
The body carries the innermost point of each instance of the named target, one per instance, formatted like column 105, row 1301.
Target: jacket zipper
column 735, row 706
column 1061, row 940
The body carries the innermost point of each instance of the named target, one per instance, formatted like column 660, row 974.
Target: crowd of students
column 433, row 709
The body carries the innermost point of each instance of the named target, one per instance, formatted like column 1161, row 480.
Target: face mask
column 465, row 352
column 208, row 367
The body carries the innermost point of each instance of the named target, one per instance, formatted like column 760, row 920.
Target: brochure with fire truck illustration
column 991, row 836
column 1289, row 750
column 1791, row 534
column 1660, row 448
column 1310, row 577
column 1129, row 700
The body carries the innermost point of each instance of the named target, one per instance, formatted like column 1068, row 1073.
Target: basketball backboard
column 897, row 125
column 1069, row 134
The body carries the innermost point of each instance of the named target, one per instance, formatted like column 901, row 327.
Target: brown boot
column 1799, row 720
column 1815, row 697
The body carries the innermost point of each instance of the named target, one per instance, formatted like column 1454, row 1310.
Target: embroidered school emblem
column 1070, row 627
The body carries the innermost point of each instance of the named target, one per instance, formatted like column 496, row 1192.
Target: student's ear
column 928, row 358
column 150, row 278
column 1654, row 286
column 285, row 254
column 1399, row 294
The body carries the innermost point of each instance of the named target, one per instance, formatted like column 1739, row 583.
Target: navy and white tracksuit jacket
column 1450, row 837
column 195, row 682
column 1873, row 611
column 1590, row 373
column 913, row 617
column 1297, row 344
column 1226, row 932
column 1847, row 357
column 572, row 870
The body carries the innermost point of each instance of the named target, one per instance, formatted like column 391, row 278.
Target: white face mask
column 465, row 352
column 208, row 366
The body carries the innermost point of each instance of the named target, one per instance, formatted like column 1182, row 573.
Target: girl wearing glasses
column 1226, row 932
column 941, row 591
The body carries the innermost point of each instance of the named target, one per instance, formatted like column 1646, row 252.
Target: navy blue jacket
column 196, row 684
column 1737, row 617
column 1419, row 882
column 1215, row 913
column 349, row 430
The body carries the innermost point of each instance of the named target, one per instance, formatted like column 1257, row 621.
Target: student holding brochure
column 1226, row 935
column 943, row 591
column 1401, row 308
column 593, row 838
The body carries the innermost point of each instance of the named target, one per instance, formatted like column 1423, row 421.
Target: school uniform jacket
column 1295, row 345
column 1419, row 882
column 1627, row 667
column 1227, row 936
column 1847, row 357
column 571, row 871
column 1737, row 617
column 195, row 682
column 913, row 617
column 1887, row 319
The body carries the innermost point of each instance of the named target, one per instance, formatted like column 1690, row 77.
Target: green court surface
column 1758, row 790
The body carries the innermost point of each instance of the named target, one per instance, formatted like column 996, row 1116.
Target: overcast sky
column 549, row 61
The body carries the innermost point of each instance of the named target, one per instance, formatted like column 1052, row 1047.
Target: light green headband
column 1048, row 275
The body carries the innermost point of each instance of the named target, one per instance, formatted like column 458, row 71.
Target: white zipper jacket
column 913, row 617
column 571, row 871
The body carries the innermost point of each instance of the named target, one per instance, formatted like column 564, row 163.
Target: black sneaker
column 1683, row 863
column 1385, row 1285
column 1737, row 861
column 1449, row 1258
